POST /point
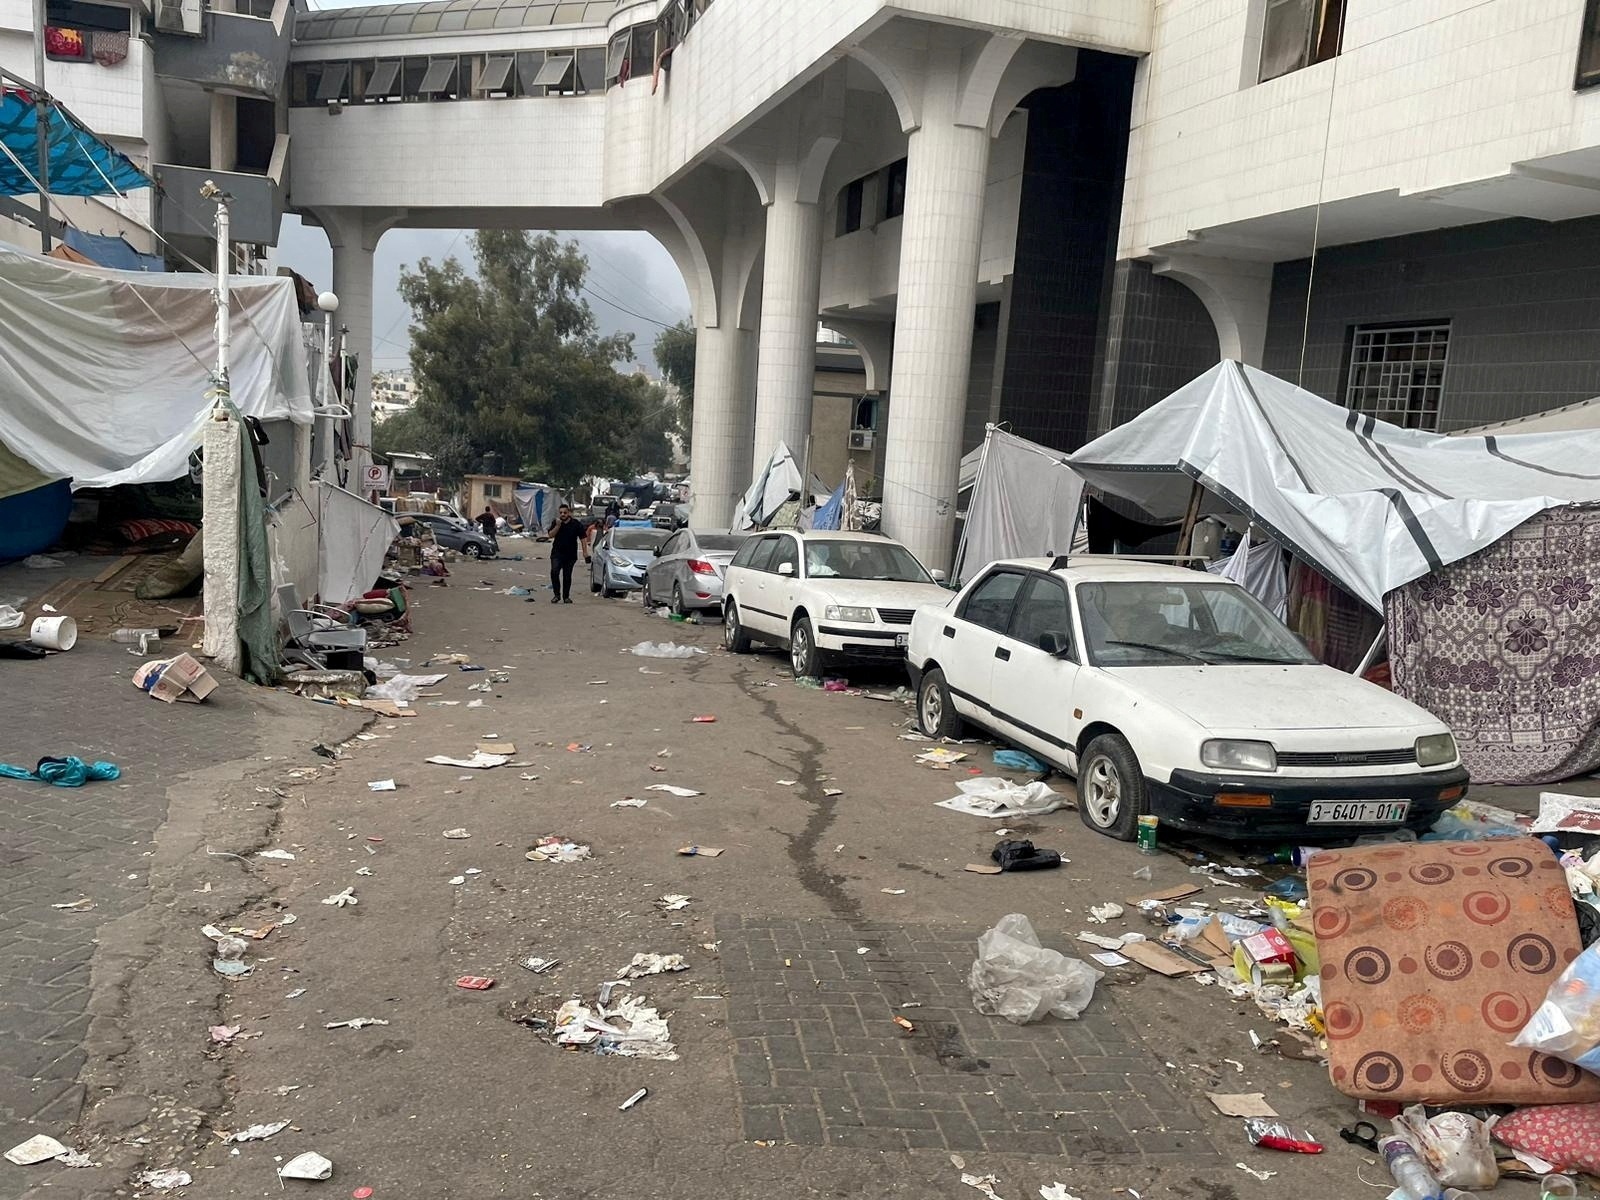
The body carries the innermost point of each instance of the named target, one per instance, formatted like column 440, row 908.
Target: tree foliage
column 674, row 354
column 511, row 363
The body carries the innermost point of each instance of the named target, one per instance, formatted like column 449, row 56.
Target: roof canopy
column 80, row 163
column 1370, row 504
column 430, row 16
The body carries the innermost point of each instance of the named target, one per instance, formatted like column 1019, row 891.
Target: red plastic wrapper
column 1275, row 1135
column 475, row 983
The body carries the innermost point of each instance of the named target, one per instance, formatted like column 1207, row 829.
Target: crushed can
column 1149, row 834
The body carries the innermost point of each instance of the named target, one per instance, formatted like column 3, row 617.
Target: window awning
column 331, row 85
column 384, row 77
column 441, row 74
column 496, row 74
column 554, row 70
column 80, row 163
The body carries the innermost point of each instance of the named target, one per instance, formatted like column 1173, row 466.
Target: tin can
column 1149, row 830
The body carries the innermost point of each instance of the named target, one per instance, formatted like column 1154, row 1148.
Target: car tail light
column 701, row 567
column 1243, row 800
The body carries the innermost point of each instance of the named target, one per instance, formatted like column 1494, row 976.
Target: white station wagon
column 825, row 595
column 1171, row 692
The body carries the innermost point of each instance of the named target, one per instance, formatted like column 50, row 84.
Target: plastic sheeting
column 1369, row 504
column 354, row 537
column 104, row 374
column 769, row 490
column 80, row 163
column 536, row 506
column 1260, row 571
column 1025, row 504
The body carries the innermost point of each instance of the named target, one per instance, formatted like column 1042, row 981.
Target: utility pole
column 41, row 116
column 329, row 304
column 211, row 191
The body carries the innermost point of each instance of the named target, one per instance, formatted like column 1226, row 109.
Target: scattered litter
column 941, row 756
column 905, row 1024
column 494, row 744
column 1143, row 874
column 983, row 1183
column 664, row 650
column 1101, row 913
column 987, row 796
column 663, row 753
column 229, row 959
column 81, row 905
column 633, row 1099
column 1019, row 760
column 456, row 834
column 296, row 994
column 1274, row 1135
column 457, row 880
column 1015, row 978
column 75, row 1158
column 1261, row 1175
column 628, row 802
column 682, row 793
column 539, row 965
column 402, row 688
column 164, row 1180
column 652, row 964
column 863, row 949
column 703, row 721
column 280, row 855
column 700, row 851
column 355, row 1023
column 285, row 1089
column 830, row 793
column 222, row 1035
column 381, row 785
column 1024, row 856
column 672, row 902
column 579, row 748
column 1109, row 958
column 10, row 617
column 632, row 1029
column 309, row 1165
column 893, row 891
column 1056, row 1191
column 982, row 868
column 555, row 849
column 475, row 983
column 257, row 1133
column 478, row 762
column 1241, row 1104
column 37, row 1149
column 344, row 899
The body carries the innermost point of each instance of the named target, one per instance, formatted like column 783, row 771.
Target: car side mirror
column 785, row 568
column 1057, row 645
column 938, row 576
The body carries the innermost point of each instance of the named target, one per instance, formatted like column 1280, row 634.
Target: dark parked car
column 457, row 535
column 668, row 515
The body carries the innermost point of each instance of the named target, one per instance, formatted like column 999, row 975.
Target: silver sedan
column 687, row 570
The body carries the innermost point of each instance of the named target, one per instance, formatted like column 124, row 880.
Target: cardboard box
column 184, row 679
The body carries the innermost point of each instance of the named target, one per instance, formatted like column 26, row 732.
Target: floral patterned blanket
column 1504, row 647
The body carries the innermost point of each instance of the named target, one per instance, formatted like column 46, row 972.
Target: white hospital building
column 1048, row 213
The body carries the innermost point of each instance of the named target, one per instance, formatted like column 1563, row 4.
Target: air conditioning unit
column 861, row 439
column 180, row 16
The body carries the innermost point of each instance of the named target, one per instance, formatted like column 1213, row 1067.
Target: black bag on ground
column 1024, row 856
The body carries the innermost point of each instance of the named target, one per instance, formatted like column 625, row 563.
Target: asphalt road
column 824, row 918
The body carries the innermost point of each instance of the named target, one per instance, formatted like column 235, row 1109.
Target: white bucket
column 54, row 633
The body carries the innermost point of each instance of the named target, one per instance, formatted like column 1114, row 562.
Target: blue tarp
column 111, row 251
column 80, row 163
column 828, row 516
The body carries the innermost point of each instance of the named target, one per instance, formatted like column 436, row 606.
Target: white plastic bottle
column 1409, row 1171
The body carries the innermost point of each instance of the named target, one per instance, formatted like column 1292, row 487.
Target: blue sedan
column 619, row 559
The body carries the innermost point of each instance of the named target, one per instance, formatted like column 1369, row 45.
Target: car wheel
column 734, row 637
column 594, row 588
column 935, row 713
column 803, row 656
column 645, row 597
column 677, row 600
column 1111, row 791
column 472, row 550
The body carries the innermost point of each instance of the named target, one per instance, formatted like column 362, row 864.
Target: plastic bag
column 1567, row 1024
column 1455, row 1146
column 402, row 688
column 665, row 650
column 1015, row 978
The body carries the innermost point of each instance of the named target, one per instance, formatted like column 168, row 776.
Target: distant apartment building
column 392, row 392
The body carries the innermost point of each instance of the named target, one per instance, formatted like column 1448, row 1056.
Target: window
column 331, row 85
column 850, row 197
column 1042, row 609
column 592, row 69
column 496, row 75
column 384, row 78
column 750, row 551
column 894, row 189
column 1299, row 33
column 787, row 552
column 1397, row 372
column 555, row 72
column 1150, row 623
column 1589, row 46
column 761, row 557
column 989, row 604
column 440, row 79
column 888, row 562
column 492, row 491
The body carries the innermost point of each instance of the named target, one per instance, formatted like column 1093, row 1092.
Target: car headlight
column 618, row 561
column 845, row 612
column 1239, row 756
column 1436, row 750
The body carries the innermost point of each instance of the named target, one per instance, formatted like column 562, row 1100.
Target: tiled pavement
column 819, row 1060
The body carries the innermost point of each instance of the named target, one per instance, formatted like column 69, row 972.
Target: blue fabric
column 111, row 251
column 80, row 163
column 62, row 772
column 827, row 517
column 1019, row 760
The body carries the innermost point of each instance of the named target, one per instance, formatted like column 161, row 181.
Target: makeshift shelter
column 536, row 506
column 1025, row 504
column 771, row 489
column 81, row 164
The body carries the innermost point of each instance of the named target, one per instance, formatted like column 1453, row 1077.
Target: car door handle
column 949, row 631
column 1002, row 654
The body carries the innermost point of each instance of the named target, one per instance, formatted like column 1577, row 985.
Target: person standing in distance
column 567, row 537
column 488, row 522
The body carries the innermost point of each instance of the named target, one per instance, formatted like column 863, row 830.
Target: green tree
column 674, row 354
column 512, row 363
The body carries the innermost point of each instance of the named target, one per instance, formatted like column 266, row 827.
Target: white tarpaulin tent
column 354, row 538
column 771, row 488
column 536, row 506
column 1369, row 504
column 1025, row 502
column 104, row 374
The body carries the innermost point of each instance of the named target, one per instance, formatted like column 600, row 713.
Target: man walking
column 567, row 537
column 488, row 522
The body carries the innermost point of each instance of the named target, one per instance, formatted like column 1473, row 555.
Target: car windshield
column 716, row 542
column 886, row 561
column 637, row 539
column 1149, row 623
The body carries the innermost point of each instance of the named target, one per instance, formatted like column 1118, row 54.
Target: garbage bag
column 1454, row 1144
column 665, row 650
column 1567, row 1024
column 1015, row 978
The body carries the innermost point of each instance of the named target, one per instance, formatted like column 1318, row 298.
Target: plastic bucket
column 54, row 633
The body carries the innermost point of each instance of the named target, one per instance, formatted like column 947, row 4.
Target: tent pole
column 41, row 116
column 1190, row 519
column 1372, row 651
column 961, row 546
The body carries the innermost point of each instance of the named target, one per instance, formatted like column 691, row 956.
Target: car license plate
column 900, row 640
column 1359, row 812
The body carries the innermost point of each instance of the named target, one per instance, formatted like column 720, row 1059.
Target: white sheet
column 1025, row 504
column 1372, row 505
column 354, row 537
column 104, row 374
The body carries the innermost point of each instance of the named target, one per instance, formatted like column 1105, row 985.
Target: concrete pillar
column 722, row 434
column 939, row 242
column 352, row 283
column 790, row 287
column 220, row 529
column 224, row 131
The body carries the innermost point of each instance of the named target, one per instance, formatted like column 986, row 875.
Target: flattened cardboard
column 1241, row 1104
column 1160, row 960
column 982, row 868
column 1167, row 895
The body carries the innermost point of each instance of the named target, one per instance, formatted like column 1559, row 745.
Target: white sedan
column 1170, row 692
column 847, row 595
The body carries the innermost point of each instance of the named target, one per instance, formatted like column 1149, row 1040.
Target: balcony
column 181, row 212
column 221, row 48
